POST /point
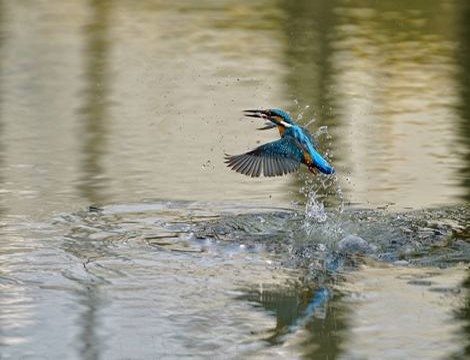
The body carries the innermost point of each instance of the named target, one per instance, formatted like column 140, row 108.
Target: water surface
column 124, row 235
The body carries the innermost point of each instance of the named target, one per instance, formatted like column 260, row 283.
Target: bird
column 295, row 147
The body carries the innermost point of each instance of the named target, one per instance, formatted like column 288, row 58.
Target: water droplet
column 206, row 164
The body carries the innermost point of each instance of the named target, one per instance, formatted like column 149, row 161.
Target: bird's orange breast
column 309, row 163
column 307, row 158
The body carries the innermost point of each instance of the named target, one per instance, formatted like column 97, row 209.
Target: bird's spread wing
column 272, row 159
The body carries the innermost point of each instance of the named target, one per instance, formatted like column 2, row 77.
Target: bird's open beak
column 262, row 114
column 266, row 114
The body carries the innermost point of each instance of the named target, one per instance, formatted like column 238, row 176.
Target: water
column 123, row 234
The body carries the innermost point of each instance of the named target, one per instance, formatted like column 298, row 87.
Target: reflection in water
column 2, row 35
column 94, row 115
column 383, row 80
column 371, row 315
column 326, row 334
column 91, row 342
column 395, row 81
column 464, row 106
column 463, row 314
column 463, row 56
column 147, row 280
column 12, row 301
column 320, row 311
column 16, row 311
column 403, row 312
column 308, row 28
column 93, row 183
column 160, row 109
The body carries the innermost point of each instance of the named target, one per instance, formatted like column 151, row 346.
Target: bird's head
column 277, row 117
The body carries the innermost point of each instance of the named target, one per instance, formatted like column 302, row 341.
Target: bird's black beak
column 267, row 126
column 256, row 113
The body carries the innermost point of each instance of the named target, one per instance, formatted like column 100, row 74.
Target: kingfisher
column 296, row 146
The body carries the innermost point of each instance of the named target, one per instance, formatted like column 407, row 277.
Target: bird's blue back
column 305, row 140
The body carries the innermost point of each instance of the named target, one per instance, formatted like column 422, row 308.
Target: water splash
column 322, row 223
column 323, row 130
column 300, row 116
column 324, row 204
column 314, row 209
column 324, row 200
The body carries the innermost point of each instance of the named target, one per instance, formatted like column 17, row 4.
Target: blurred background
column 132, row 104
column 110, row 101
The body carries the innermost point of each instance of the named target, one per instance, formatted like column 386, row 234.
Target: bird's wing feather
column 272, row 159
